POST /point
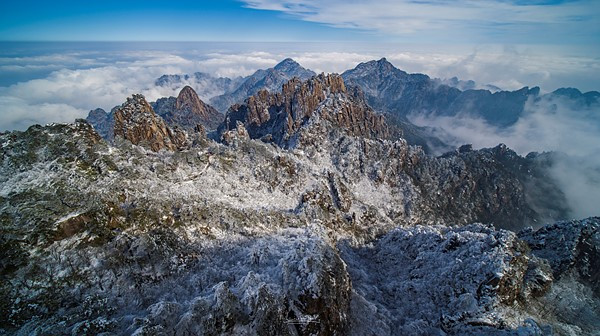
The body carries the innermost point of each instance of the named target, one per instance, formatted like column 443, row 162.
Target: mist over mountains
column 300, row 168
column 441, row 118
column 57, row 82
column 286, row 202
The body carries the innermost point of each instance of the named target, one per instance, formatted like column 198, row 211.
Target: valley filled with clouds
column 62, row 86
column 58, row 85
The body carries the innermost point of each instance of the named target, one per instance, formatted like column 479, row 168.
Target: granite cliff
column 136, row 121
column 279, row 116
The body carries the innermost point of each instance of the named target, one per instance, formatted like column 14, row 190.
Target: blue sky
column 551, row 22
column 182, row 20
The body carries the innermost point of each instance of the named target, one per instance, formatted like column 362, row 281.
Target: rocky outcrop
column 571, row 248
column 233, row 136
column 187, row 111
column 136, row 121
column 279, row 116
column 407, row 281
column 439, row 280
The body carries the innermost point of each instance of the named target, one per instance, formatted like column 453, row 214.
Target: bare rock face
column 280, row 116
column 136, row 121
column 189, row 100
column 187, row 111
column 191, row 111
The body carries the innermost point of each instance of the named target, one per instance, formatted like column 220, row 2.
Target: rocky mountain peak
column 287, row 65
column 290, row 68
column 136, row 121
column 380, row 66
column 188, row 99
column 102, row 121
column 97, row 114
column 390, row 90
column 134, row 109
column 188, row 111
column 270, row 79
column 383, row 62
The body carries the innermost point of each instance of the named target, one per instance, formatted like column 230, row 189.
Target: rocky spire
column 136, row 121
column 188, row 100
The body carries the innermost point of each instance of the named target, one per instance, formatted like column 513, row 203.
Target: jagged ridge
column 279, row 116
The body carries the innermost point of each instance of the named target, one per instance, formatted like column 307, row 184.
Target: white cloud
column 546, row 125
column 96, row 78
column 232, row 65
column 442, row 18
column 67, row 94
column 21, row 114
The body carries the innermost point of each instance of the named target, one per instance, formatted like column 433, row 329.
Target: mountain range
column 300, row 211
column 393, row 91
column 400, row 96
column 235, row 90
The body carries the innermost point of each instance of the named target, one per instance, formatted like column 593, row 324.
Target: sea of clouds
column 50, row 83
column 47, row 83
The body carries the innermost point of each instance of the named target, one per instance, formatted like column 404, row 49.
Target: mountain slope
column 270, row 79
column 390, row 90
column 318, row 235
column 394, row 91
column 280, row 116
column 133, row 249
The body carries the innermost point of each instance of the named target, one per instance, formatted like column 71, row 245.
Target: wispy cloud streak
column 484, row 19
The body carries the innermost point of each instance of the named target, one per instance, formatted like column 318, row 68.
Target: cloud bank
column 56, row 87
column 547, row 125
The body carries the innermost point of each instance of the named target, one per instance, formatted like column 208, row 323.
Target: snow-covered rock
column 335, row 233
